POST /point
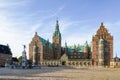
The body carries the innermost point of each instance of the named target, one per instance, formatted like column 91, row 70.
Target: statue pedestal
column 24, row 59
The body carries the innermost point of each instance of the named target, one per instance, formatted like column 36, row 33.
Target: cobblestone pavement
column 60, row 73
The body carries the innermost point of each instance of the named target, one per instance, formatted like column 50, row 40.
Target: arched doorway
column 63, row 63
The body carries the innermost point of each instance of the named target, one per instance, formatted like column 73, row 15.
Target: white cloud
column 8, row 4
column 18, row 31
column 11, row 31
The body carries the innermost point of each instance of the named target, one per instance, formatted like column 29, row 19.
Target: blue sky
column 78, row 19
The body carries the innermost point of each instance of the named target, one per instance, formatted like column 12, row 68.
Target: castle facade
column 98, row 53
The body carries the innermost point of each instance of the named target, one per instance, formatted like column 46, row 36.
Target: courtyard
column 60, row 73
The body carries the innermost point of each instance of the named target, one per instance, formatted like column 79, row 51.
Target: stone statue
column 24, row 47
column 24, row 58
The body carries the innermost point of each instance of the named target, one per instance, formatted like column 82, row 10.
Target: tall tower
column 66, row 48
column 102, row 47
column 57, row 41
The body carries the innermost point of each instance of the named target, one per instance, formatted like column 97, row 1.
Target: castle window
column 96, row 56
column 55, row 48
column 96, row 49
column 104, row 36
column 74, row 53
column 101, row 49
column 97, row 63
column 106, row 49
column 111, row 64
column 96, row 43
column 74, row 56
column 106, row 57
column 38, row 50
column 106, row 43
column 116, row 64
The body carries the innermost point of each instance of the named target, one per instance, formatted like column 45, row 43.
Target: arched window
column 96, row 56
column 38, row 50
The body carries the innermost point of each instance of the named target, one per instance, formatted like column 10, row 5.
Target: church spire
column 86, row 44
column 57, row 26
column 57, row 41
column 57, row 31
column 65, row 44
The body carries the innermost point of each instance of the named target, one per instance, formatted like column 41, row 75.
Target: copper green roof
column 44, row 42
column 57, row 27
column 57, row 31
column 80, row 48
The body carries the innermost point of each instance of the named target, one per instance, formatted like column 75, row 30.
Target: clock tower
column 57, row 41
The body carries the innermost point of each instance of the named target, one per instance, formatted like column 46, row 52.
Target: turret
column 66, row 48
column 86, row 47
column 65, row 45
column 75, row 48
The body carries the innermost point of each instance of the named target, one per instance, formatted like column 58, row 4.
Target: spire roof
column 57, row 26
column 57, row 31
column 44, row 42
column 86, row 44
column 65, row 45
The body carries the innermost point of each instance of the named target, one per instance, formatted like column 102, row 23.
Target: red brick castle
column 99, row 53
column 102, row 47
